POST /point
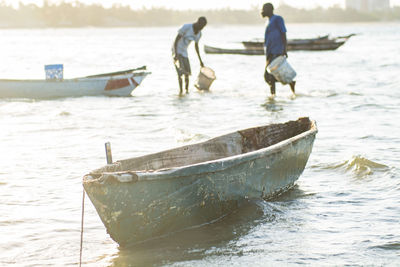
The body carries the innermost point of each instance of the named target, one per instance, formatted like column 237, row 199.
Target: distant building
column 367, row 5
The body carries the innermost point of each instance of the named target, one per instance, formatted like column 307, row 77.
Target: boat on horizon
column 256, row 46
column 119, row 83
column 319, row 43
column 158, row 194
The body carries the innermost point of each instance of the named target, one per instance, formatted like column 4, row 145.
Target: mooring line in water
column 83, row 212
column 109, row 161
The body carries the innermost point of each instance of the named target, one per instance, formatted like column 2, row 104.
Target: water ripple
column 389, row 246
column 358, row 165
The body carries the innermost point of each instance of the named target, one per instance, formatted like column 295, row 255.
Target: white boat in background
column 120, row 83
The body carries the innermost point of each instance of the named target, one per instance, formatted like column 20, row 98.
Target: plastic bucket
column 54, row 71
column 205, row 78
column 281, row 70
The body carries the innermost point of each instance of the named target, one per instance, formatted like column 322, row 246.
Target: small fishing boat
column 239, row 51
column 120, row 83
column 259, row 43
column 256, row 47
column 158, row 194
column 260, row 50
column 315, row 46
column 321, row 43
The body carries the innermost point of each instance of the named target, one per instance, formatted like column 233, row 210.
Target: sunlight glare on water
column 344, row 210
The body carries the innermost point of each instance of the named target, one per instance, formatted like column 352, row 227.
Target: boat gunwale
column 80, row 79
column 257, row 51
column 217, row 165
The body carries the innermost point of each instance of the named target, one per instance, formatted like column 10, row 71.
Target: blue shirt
column 273, row 35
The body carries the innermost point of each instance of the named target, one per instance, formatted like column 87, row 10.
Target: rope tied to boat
column 82, row 218
column 109, row 161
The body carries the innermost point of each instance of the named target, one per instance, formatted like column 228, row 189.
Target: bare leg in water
column 270, row 80
column 292, row 87
column 272, row 88
column 187, row 83
column 180, row 84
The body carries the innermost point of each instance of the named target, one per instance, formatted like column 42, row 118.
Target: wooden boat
column 316, row 46
column 256, row 47
column 260, row 51
column 250, row 52
column 120, row 83
column 321, row 43
column 145, row 197
column 259, row 43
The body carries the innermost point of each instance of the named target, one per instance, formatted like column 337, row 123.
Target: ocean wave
column 355, row 94
column 368, row 106
column 191, row 137
column 359, row 166
column 389, row 246
column 64, row 113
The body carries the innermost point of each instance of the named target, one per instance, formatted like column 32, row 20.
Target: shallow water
column 344, row 210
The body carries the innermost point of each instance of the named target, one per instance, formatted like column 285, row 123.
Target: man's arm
column 196, row 46
column 178, row 37
column 282, row 28
column 284, row 40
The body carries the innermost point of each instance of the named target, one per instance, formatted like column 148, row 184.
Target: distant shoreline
column 68, row 15
column 167, row 26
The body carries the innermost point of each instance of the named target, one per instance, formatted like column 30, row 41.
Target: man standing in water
column 187, row 34
column 274, row 42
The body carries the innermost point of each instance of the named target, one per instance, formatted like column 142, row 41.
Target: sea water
column 344, row 209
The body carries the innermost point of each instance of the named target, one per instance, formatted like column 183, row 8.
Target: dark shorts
column 268, row 77
column 183, row 66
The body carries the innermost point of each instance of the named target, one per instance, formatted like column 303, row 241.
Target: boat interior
column 228, row 145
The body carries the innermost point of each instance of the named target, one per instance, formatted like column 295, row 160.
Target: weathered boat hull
column 259, row 43
column 216, row 50
column 259, row 49
column 112, row 85
column 139, row 205
column 256, row 47
column 323, row 46
column 314, row 44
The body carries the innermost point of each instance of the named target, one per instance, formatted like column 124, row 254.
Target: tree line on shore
column 95, row 15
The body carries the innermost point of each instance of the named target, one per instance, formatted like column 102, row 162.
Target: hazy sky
column 202, row 4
